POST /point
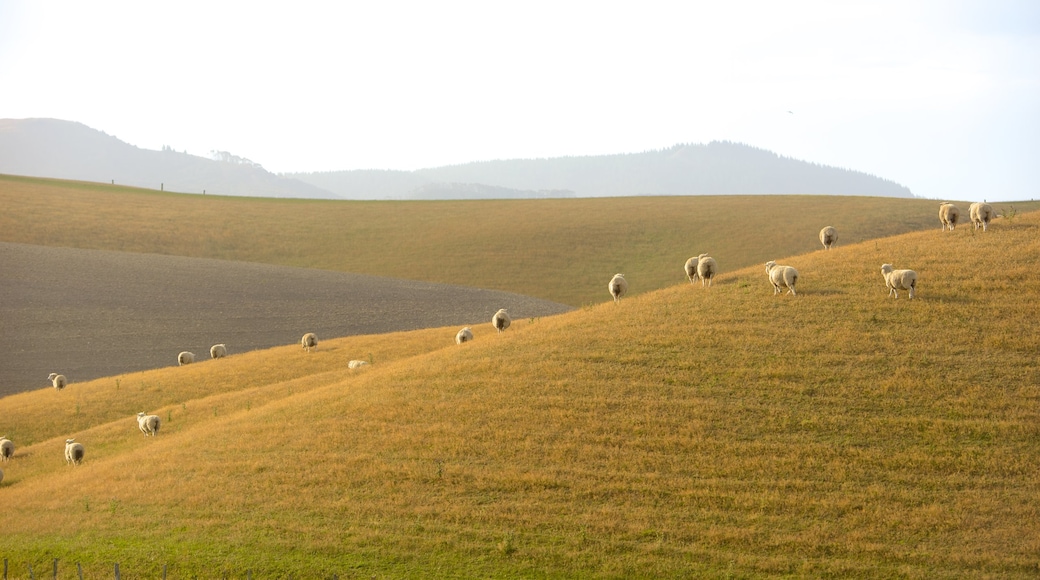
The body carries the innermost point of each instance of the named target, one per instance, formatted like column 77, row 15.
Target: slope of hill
column 717, row 168
column 684, row 432
column 68, row 150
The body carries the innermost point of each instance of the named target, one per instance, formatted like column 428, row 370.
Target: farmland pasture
column 684, row 432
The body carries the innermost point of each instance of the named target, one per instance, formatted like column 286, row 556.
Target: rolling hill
column 684, row 432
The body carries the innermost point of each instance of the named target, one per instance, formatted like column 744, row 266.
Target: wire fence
column 10, row 573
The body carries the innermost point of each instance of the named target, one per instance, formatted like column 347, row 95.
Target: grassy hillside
column 563, row 250
column 685, row 432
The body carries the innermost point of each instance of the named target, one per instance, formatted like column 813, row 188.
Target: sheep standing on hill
column 618, row 286
column 501, row 320
column 464, row 335
column 895, row 279
column 782, row 276
column 73, row 452
column 948, row 215
column 309, row 341
column 828, row 236
column 691, row 268
column 58, row 381
column 981, row 213
column 706, row 269
column 356, row 364
column 148, row 424
column 218, row 351
column 185, row 358
column 6, row 449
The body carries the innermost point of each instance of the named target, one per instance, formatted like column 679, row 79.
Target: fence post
column 31, row 577
column 5, row 568
column 117, row 570
column 164, row 572
column 55, row 569
column 79, row 569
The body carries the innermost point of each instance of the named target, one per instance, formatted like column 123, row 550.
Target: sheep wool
column 781, row 277
column 356, row 364
column 148, row 424
column 73, row 452
column 6, row 449
column 501, row 320
column 58, row 381
column 981, row 214
column 948, row 215
column 691, row 268
column 464, row 335
column 309, row 341
column 185, row 358
column 899, row 279
column 706, row 269
column 828, row 236
column 618, row 286
column 218, row 351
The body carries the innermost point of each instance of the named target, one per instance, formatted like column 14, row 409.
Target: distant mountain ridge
column 69, row 150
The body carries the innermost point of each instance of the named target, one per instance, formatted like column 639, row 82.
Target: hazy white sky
column 941, row 96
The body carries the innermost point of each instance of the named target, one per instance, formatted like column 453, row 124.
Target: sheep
column 309, row 341
column 781, row 276
column 6, row 449
column 691, row 268
column 948, row 215
column 356, row 364
column 895, row 279
column 218, row 351
column 618, row 286
column 706, row 269
column 73, row 452
column 149, row 424
column 57, row 380
column 981, row 213
column 464, row 335
column 185, row 358
column 828, row 236
column 501, row 320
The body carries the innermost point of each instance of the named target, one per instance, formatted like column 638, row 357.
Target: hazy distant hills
column 69, row 150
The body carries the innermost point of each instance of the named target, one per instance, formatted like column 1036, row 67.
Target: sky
column 942, row 96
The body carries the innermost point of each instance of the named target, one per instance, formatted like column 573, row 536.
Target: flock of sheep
column 702, row 267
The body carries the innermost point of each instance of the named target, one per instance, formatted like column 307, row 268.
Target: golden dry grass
column 685, row 432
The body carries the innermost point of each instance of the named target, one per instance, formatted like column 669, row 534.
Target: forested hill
column 718, row 168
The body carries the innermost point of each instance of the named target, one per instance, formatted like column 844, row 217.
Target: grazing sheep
column 218, row 351
column 618, row 286
column 356, row 364
column 149, row 424
column 185, row 358
column 948, row 215
column 6, row 449
column 895, row 279
column 828, row 236
column 501, row 320
column 691, row 268
column 73, row 452
column 706, row 269
column 781, row 276
column 309, row 341
column 981, row 213
column 57, row 380
column 464, row 335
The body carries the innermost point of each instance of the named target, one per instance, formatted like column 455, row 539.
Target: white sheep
column 618, row 286
column 73, row 452
column 464, row 335
column 57, row 380
column 309, row 341
column 356, row 364
column 782, row 276
column 981, row 213
column 948, row 215
column 828, row 236
column 691, row 268
column 895, row 279
column 706, row 269
column 218, row 351
column 148, row 424
column 501, row 320
column 6, row 449
column 185, row 358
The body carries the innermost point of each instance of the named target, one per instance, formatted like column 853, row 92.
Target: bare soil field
column 95, row 313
